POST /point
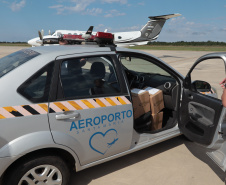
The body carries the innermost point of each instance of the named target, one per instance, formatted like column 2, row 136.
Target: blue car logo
column 102, row 142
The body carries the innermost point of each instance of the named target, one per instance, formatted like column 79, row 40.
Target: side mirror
column 128, row 59
column 201, row 86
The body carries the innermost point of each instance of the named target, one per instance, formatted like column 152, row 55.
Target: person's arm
column 223, row 97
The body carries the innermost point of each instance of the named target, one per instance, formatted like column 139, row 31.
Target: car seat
column 97, row 70
column 74, row 83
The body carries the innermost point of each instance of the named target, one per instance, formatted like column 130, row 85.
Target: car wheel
column 46, row 170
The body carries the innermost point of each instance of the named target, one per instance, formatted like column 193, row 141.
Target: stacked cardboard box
column 156, row 121
column 141, row 102
column 156, row 105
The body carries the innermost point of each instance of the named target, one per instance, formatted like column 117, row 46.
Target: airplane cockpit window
column 75, row 34
column 58, row 33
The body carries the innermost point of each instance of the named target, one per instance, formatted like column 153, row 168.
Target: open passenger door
column 201, row 116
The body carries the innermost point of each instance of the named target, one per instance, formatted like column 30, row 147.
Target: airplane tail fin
column 154, row 26
column 90, row 30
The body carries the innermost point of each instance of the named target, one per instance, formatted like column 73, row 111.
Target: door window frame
column 179, row 79
column 57, row 89
column 155, row 61
column 188, row 89
column 187, row 83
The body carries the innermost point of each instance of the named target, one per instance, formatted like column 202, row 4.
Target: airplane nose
column 30, row 42
column 33, row 42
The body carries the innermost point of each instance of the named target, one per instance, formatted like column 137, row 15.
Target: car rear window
column 12, row 61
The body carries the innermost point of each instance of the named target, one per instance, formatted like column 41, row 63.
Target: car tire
column 39, row 170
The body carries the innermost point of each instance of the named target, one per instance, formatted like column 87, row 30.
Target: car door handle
column 67, row 116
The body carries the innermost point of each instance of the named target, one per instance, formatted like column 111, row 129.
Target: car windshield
column 12, row 61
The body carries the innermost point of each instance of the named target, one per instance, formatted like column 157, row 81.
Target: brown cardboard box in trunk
column 156, row 121
column 156, row 99
column 141, row 102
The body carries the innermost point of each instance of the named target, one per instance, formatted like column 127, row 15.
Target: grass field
column 15, row 44
column 182, row 48
column 151, row 47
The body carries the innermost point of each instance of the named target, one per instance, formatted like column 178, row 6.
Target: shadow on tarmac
column 86, row 176
column 200, row 153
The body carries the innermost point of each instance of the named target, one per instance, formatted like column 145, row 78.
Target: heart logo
column 101, row 142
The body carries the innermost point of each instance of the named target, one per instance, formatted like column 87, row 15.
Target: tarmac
column 173, row 162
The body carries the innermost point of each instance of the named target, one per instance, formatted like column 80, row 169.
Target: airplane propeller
column 41, row 37
column 43, row 40
column 42, row 32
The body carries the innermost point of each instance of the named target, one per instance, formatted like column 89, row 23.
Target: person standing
column 223, row 97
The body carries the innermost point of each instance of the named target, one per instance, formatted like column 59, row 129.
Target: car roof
column 59, row 50
column 68, row 49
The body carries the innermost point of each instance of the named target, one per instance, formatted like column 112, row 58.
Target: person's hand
column 222, row 83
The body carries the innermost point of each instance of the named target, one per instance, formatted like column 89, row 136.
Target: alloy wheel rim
column 42, row 175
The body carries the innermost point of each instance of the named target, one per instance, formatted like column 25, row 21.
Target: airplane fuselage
column 120, row 38
column 148, row 33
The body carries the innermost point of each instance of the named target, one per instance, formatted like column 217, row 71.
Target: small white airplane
column 148, row 33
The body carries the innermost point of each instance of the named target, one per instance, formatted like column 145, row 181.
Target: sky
column 200, row 20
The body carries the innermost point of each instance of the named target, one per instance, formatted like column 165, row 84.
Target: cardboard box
column 156, row 121
column 156, row 99
column 141, row 102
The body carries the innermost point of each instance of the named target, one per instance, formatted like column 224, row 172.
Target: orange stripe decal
column 61, row 106
column 100, row 103
column 121, row 100
column 10, row 109
column 110, row 101
column 87, row 103
column 2, row 117
column 44, row 106
column 54, row 107
column 75, row 105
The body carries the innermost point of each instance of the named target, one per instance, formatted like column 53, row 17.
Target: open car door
column 201, row 115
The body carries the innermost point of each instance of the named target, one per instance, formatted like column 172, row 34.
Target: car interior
column 141, row 73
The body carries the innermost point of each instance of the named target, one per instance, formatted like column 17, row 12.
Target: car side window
column 82, row 77
column 36, row 89
column 142, row 65
column 141, row 72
